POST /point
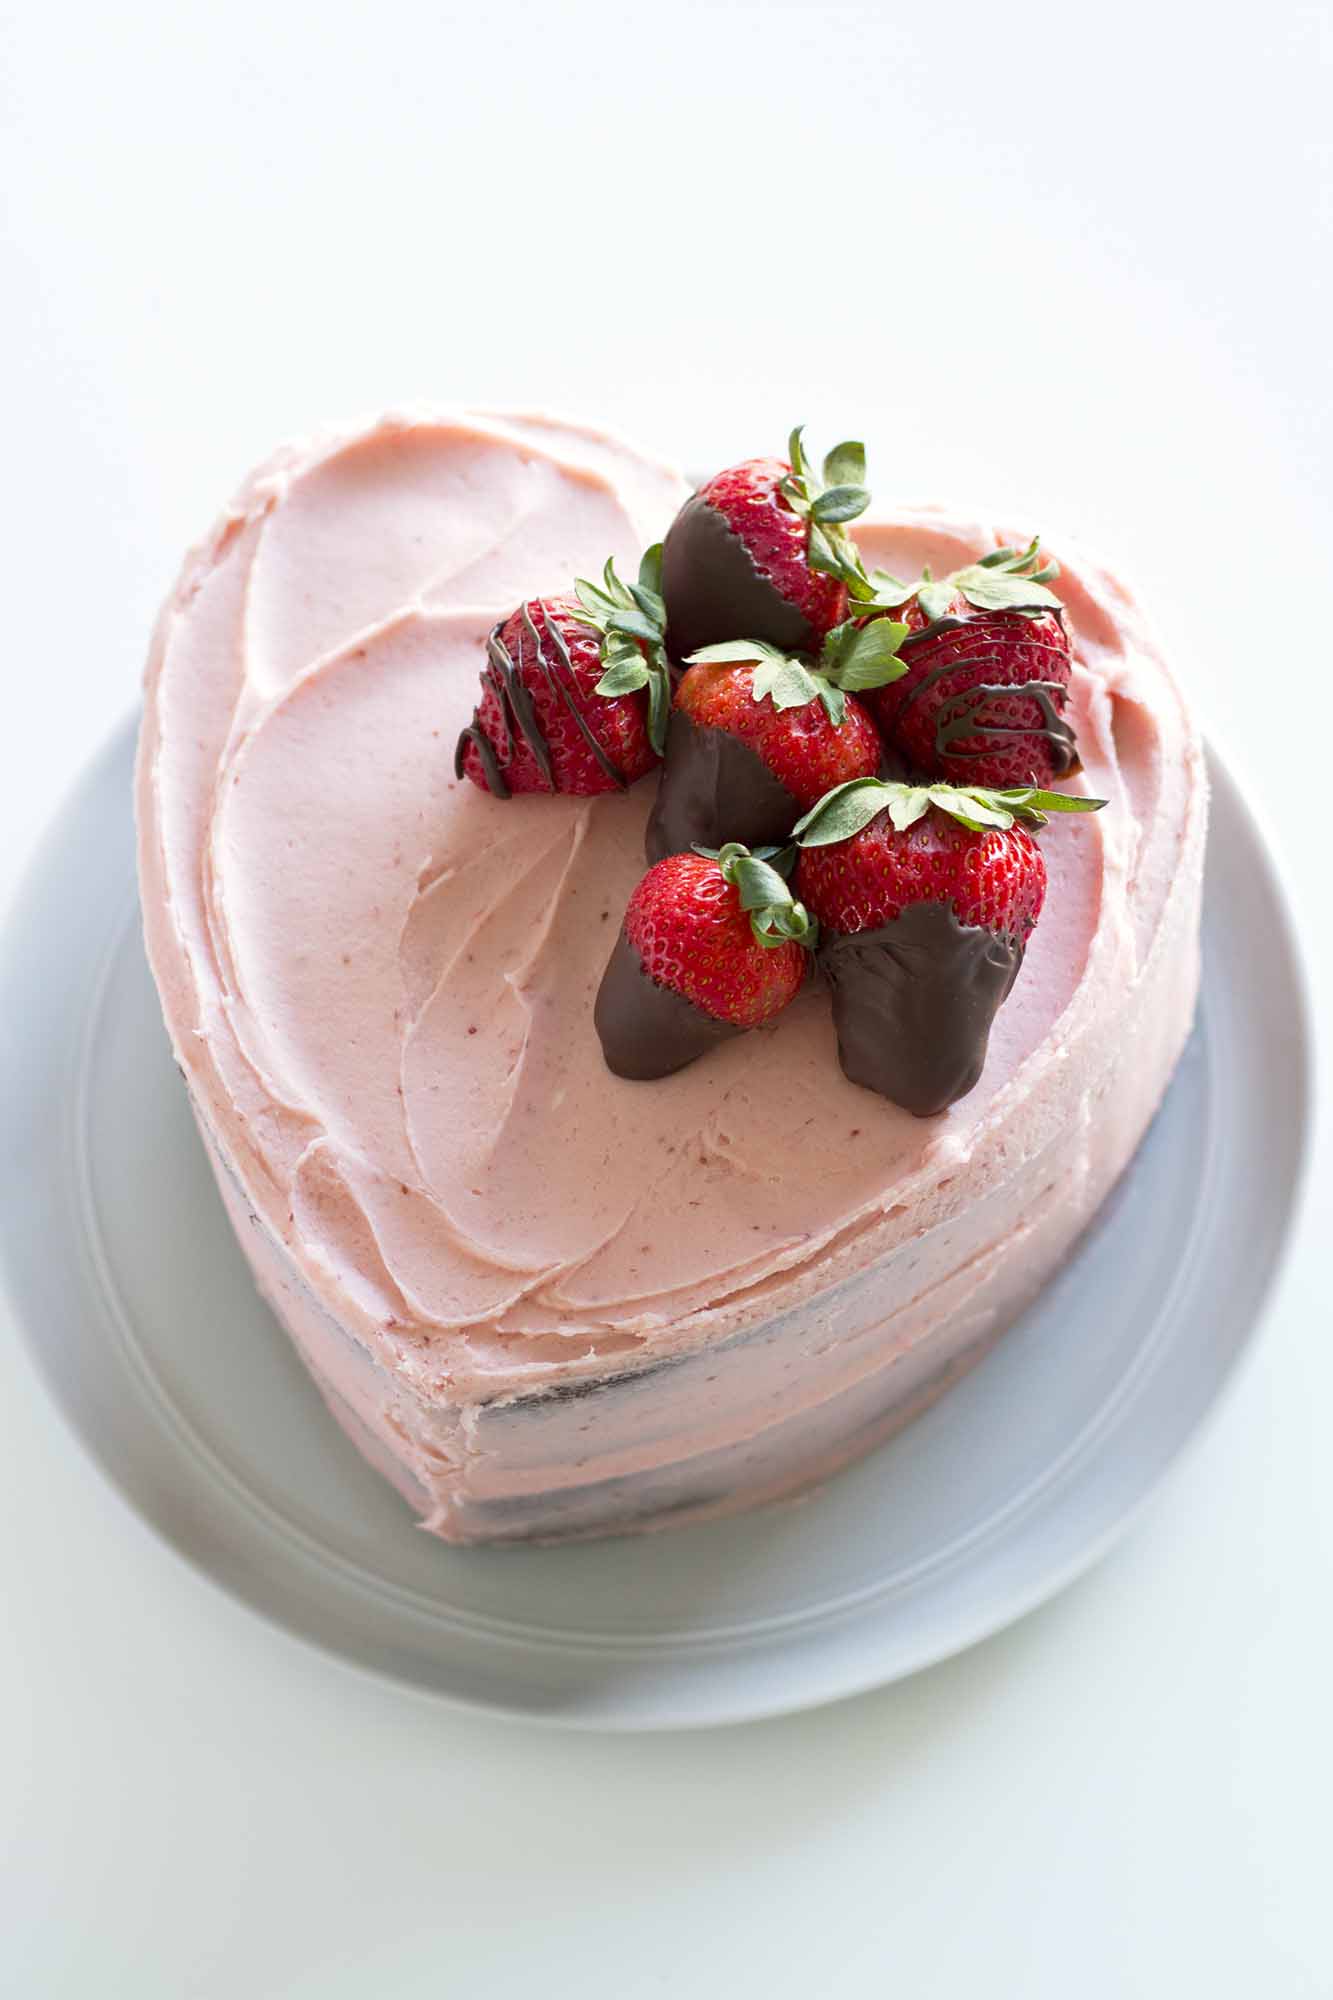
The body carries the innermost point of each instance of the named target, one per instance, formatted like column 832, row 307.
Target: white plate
column 144, row 1320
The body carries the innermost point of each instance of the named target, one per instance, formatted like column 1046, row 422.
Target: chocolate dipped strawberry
column 575, row 691
column 925, row 897
column 711, row 946
column 761, row 552
column 757, row 736
column 987, row 664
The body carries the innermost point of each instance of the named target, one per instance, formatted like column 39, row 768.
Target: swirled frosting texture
column 379, row 982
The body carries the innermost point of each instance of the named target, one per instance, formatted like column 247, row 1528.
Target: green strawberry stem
column 854, row 656
column 848, row 809
column 631, row 618
column 826, row 504
column 759, row 878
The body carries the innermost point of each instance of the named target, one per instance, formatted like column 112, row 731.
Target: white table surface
column 1079, row 268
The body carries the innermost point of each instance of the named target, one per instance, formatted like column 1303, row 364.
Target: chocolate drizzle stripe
column 958, row 718
column 952, row 621
column 958, row 712
column 563, row 690
column 516, row 704
column 991, row 659
column 932, row 631
column 496, row 783
column 498, row 667
column 937, row 674
column 518, row 713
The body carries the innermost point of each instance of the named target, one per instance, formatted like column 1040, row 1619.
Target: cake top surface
column 380, row 980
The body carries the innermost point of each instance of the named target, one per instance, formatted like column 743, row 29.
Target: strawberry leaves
column 845, row 465
column 1005, row 580
column 848, row 809
column 827, row 503
column 854, row 657
column 759, row 879
column 857, row 656
column 782, row 678
column 840, row 495
column 786, row 682
column 631, row 618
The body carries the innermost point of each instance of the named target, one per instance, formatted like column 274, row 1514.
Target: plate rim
column 1048, row 1578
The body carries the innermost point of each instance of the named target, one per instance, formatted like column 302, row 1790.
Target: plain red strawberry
column 995, row 879
column 540, row 725
column 760, row 552
column 692, row 934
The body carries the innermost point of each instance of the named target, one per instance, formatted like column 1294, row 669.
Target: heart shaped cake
column 555, row 1270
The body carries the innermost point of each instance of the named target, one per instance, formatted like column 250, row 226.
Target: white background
column 1074, row 263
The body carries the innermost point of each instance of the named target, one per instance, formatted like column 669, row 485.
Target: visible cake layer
column 559, row 1301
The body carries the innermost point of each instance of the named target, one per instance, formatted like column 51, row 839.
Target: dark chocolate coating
column 646, row 1030
column 913, row 1003
column 715, row 788
column 713, row 591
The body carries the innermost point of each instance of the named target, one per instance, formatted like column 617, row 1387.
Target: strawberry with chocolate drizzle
column 575, row 691
column 712, row 945
column 926, row 896
column 761, row 552
column 987, row 664
column 758, row 735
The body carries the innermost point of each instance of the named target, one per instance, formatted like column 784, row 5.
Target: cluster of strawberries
column 851, row 764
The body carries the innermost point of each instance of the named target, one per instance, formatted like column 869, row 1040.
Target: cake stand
column 144, row 1321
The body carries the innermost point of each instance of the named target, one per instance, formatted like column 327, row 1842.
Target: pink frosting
column 379, row 982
